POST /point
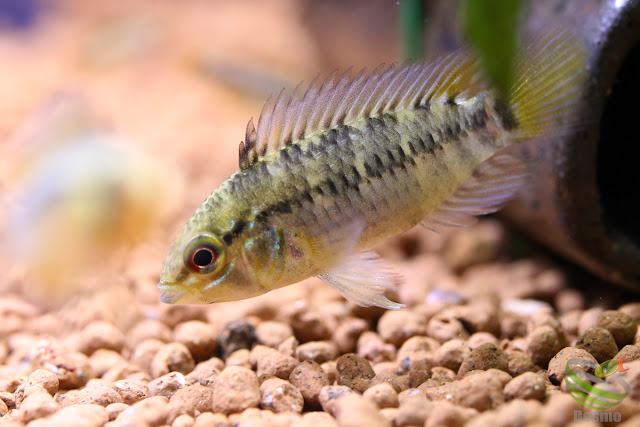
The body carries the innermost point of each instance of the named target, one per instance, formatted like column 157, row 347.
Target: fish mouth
column 171, row 294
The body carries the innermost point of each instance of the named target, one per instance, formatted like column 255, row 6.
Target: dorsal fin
column 248, row 152
column 343, row 100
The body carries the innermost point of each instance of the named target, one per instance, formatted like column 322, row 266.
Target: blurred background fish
column 77, row 196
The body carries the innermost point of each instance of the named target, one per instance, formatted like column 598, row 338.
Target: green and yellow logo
column 603, row 389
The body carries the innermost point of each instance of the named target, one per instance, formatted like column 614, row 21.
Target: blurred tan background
column 176, row 80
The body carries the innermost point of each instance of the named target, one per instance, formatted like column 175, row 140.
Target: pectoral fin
column 491, row 185
column 362, row 279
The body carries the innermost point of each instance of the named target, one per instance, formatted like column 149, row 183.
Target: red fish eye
column 202, row 258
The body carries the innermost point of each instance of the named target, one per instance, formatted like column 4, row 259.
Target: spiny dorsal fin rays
column 321, row 99
column 277, row 118
column 306, row 107
column 347, row 98
column 404, row 101
column 290, row 120
column 263, row 126
column 336, row 102
column 367, row 89
column 397, row 85
column 379, row 89
column 338, row 91
column 248, row 154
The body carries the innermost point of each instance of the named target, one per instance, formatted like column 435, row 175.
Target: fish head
column 207, row 265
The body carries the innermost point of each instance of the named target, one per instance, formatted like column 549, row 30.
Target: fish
column 343, row 164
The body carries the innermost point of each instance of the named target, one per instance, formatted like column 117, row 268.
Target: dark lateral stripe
column 388, row 155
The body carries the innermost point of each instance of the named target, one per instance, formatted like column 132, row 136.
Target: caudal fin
column 548, row 84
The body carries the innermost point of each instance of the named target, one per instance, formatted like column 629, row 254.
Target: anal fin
column 362, row 279
column 491, row 185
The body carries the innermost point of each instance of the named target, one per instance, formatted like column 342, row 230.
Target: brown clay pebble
column 313, row 419
column 622, row 326
column 99, row 395
column 413, row 411
column 101, row 361
column 131, row 391
column 629, row 353
column 174, row 357
column 329, row 396
column 240, row 357
column 37, row 404
column 8, row 399
column 84, row 415
column 167, row 385
column 272, row 333
column 354, row 372
column 189, row 399
column 309, row 325
column 271, row 362
column 355, row 410
column 449, row 415
column 199, row 337
column 526, row 386
column 383, row 395
column 101, row 335
column 207, row 419
column 289, row 346
column 599, row 342
column 235, row 389
column 372, row 347
column 442, row 374
column 347, row 333
column 480, row 390
column 152, row 411
column 143, row 353
column 560, row 410
column 38, row 380
column 309, row 378
column 419, row 372
column 116, row 409
column 632, row 377
column 397, row 326
column 558, row 364
column 451, row 354
column 148, row 329
column 236, row 335
column 480, row 338
column 481, row 316
column 542, row 344
column 416, row 348
column 519, row 363
column 318, row 351
column 484, row 357
column 445, row 326
column 331, row 370
column 589, row 319
column 183, row 420
column 71, row 368
column 278, row 395
column 205, row 372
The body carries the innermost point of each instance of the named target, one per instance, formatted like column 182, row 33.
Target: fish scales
column 350, row 170
column 350, row 162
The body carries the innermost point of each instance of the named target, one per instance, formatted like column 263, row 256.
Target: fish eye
column 202, row 257
column 203, row 254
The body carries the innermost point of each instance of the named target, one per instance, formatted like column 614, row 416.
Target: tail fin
column 548, row 83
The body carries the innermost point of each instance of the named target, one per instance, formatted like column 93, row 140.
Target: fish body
column 334, row 170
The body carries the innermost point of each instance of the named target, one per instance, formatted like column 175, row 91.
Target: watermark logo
column 600, row 391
